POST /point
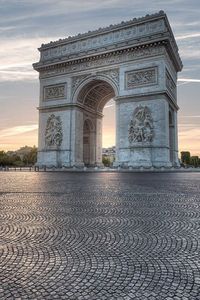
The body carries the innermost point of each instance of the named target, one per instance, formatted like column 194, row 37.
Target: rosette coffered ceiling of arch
column 96, row 94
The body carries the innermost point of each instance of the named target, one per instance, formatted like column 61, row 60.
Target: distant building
column 22, row 152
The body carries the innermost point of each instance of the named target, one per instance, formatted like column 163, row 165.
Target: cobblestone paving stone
column 99, row 236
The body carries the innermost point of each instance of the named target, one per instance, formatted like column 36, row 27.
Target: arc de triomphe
column 136, row 64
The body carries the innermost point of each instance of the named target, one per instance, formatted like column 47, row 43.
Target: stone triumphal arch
column 136, row 64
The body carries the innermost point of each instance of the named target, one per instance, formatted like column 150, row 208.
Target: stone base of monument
column 43, row 168
column 79, row 165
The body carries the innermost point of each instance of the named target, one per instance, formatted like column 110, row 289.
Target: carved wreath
column 141, row 125
column 53, row 132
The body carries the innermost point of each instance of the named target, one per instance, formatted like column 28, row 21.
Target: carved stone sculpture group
column 141, row 126
column 53, row 132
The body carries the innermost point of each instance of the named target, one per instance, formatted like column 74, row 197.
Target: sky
column 26, row 24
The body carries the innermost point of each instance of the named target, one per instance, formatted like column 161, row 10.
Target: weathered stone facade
column 135, row 63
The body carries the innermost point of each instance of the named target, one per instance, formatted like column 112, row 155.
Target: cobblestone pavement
column 98, row 236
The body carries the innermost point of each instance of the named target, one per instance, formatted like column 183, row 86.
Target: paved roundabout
column 99, row 236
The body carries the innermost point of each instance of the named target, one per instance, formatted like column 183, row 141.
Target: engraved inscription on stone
column 53, row 132
column 54, row 91
column 141, row 125
column 103, row 61
column 140, row 77
column 170, row 84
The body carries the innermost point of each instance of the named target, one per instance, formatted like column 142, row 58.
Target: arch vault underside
column 136, row 64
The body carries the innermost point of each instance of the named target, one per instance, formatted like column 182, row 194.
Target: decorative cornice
column 110, row 58
column 138, row 33
column 149, row 29
column 100, row 30
column 68, row 106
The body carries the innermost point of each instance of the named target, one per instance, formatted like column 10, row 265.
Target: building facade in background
column 136, row 64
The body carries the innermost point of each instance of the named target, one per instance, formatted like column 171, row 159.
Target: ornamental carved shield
column 141, row 126
column 53, row 132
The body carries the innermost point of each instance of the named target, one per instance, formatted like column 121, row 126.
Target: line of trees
column 25, row 156
column 188, row 160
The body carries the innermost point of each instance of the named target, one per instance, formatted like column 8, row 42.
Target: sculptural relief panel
column 141, row 127
column 141, row 77
column 57, row 91
column 53, row 132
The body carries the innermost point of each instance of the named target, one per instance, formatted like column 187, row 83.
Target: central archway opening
column 109, row 134
column 96, row 98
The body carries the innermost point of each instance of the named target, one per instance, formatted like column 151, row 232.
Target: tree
column 3, row 158
column 30, row 157
column 25, row 156
column 194, row 161
column 185, row 157
column 106, row 161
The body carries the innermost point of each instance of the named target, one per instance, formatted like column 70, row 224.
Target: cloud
column 14, row 65
column 17, row 57
column 189, row 116
column 189, row 139
column 194, row 135
column 188, row 36
column 49, row 8
column 189, row 52
column 110, row 103
column 16, row 130
column 186, row 126
column 17, row 75
column 183, row 83
column 188, row 80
